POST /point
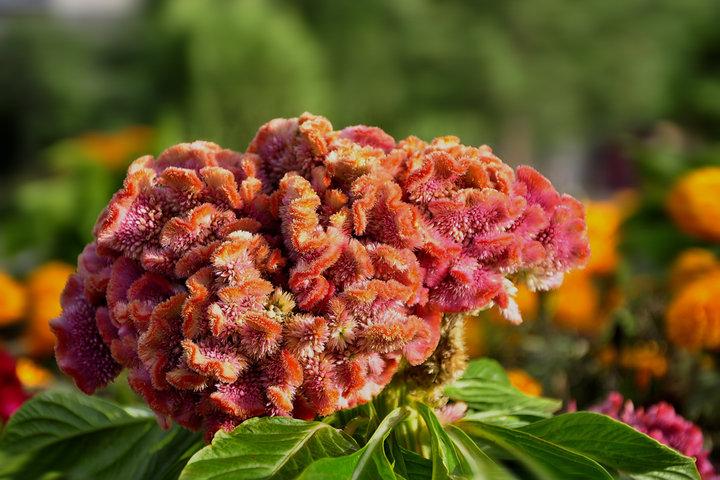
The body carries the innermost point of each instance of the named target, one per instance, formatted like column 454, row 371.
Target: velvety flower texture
column 661, row 422
column 292, row 279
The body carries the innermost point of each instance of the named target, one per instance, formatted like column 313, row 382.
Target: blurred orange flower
column 693, row 202
column 13, row 300
column 604, row 219
column 576, row 304
column 32, row 375
column 115, row 150
column 692, row 319
column 521, row 380
column 691, row 265
column 474, row 336
column 44, row 285
column 647, row 359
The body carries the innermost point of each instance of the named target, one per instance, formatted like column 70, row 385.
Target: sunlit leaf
column 616, row 445
column 368, row 463
column 542, row 459
column 75, row 436
column 267, row 448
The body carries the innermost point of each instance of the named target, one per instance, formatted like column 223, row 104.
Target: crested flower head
column 292, row 279
column 661, row 422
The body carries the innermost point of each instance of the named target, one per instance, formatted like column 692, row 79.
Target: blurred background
column 617, row 102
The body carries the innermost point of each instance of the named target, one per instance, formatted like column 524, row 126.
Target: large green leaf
column 490, row 397
column 75, row 436
column 444, row 457
column 267, row 448
column 480, row 465
column 486, row 369
column 417, row 467
column 616, row 445
column 543, row 460
column 368, row 463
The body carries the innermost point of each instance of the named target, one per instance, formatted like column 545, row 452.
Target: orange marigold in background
column 521, row 380
column 32, row 375
column 44, row 286
column 12, row 300
column 604, row 220
column 693, row 201
column 115, row 149
column 692, row 264
column 693, row 316
column 577, row 303
column 647, row 359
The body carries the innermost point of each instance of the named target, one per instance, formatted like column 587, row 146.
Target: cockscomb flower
column 293, row 279
column 661, row 422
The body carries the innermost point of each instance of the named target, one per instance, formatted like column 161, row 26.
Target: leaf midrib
column 54, row 439
column 286, row 457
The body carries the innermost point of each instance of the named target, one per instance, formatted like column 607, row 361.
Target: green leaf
column 267, row 448
column 170, row 458
column 616, row 445
column 368, row 463
column 480, row 465
column 543, row 459
column 445, row 459
column 72, row 435
column 416, row 466
column 491, row 399
column 486, row 369
column 359, row 422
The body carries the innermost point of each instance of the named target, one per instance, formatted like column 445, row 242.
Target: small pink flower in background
column 11, row 390
column 292, row 279
column 661, row 422
column 451, row 412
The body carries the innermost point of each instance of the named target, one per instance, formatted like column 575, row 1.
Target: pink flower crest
column 293, row 279
column 661, row 422
column 12, row 395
